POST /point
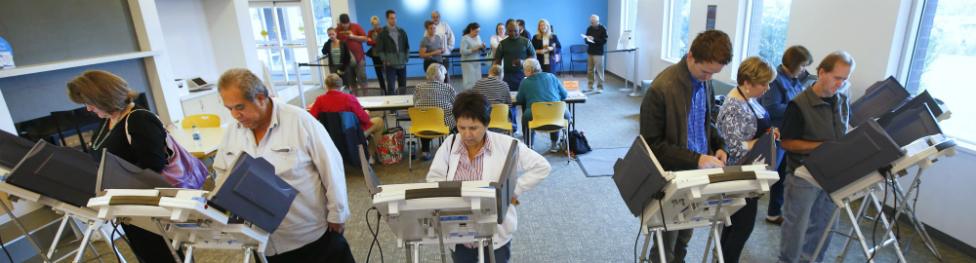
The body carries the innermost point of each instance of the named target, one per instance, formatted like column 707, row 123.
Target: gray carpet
column 599, row 162
column 573, row 218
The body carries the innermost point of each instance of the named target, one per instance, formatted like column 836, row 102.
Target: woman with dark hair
column 478, row 154
column 135, row 135
column 788, row 83
column 471, row 47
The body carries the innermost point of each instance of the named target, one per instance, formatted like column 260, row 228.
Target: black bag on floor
column 578, row 143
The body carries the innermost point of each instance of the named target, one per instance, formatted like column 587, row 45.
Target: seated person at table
column 479, row 154
column 493, row 87
column 435, row 93
column 109, row 97
column 817, row 115
column 303, row 155
column 539, row 86
column 741, row 121
column 334, row 100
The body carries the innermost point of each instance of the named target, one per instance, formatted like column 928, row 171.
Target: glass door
column 279, row 33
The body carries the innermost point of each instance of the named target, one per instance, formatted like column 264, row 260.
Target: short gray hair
column 436, row 72
column 496, row 70
column 243, row 80
column 532, row 65
column 333, row 81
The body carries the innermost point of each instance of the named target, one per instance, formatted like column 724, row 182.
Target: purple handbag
column 182, row 170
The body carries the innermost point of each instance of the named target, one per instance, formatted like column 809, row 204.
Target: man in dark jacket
column 393, row 48
column 596, row 42
column 676, row 119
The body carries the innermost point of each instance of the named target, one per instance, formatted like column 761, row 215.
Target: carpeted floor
column 600, row 161
column 570, row 217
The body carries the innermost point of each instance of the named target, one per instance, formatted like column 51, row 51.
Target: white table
column 210, row 138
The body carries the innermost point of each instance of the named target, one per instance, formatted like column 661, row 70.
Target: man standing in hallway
column 676, row 120
column 393, row 48
column 596, row 42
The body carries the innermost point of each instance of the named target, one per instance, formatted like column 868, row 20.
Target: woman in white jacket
column 475, row 153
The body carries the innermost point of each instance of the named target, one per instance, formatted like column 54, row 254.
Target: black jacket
column 664, row 119
column 553, row 40
column 343, row 59
column 599, row 34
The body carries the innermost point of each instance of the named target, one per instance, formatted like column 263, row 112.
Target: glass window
column 944, row 52
column 767, row 33
column 322, row 12
column 677, row 40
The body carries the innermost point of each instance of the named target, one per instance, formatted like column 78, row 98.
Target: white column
column 6, row 121
column 230, row 34
column 149, row 32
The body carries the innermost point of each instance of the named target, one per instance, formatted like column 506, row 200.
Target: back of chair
column 548, row 114
column 201, row 121
column 346, row 134
column 576, row 50
column 499, row 118
column 427, row 121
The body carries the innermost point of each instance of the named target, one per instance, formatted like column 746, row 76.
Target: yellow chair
column 201, row 121
column 426, row 123
column 548, row 117
column 499, row 118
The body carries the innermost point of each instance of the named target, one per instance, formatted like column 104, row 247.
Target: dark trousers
column 331, row 247
column 776, row 191
column 425, row 145
column 397, row 76
column 675, row 246
column 734, row 237
column 378, row 67
column 553, row 137
column 513, row 79
column 463, row 254
column 148, row 246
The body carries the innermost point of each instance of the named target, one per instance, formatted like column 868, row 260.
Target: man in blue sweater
column 539, row 86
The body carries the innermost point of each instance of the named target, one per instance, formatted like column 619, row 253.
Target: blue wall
column 569, row 18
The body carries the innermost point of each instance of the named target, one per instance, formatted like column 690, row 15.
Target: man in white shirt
column 442, row 29
column 303, row 155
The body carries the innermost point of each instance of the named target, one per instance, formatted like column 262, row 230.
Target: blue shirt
column 540, row 87
column 781, row 92
column 697, row 141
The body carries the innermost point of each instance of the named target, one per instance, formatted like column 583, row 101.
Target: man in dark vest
column 676, row 120
column 817, row 115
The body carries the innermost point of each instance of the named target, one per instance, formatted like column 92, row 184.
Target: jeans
column 806, row 213
column 776, row 191
column 594, row 66
column 462, row 254
column 396, row 76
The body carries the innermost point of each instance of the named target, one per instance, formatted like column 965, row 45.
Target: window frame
column 669, row 32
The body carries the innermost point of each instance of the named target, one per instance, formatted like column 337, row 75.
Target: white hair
column 532, row 65
column 436, row 71
column 595, row 16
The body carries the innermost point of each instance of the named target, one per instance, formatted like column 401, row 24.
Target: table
column 386, row 103
column 210, row 138
column 575, row 96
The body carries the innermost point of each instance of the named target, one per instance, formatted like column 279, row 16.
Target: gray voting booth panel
column 254, row 193
column 909, row 124
column 507, row 182
column 12, row 149
column 67, row 175
column 637, row 177
column 117, row 173
column 882, row 97
column 865, row 149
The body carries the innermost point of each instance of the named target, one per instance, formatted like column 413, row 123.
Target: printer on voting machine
column 253, row 192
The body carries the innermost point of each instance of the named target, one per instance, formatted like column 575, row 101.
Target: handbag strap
column 128, row 137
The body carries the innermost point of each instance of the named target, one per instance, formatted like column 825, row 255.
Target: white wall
column 187, row 39
column 229, row 25
column 874, row 43
column 6, row 121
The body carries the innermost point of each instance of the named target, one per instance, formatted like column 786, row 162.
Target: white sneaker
column 599, row 90
column 554, row 148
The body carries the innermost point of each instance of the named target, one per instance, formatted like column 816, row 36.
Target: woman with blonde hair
column 741, row 121
column 547, row 46
column 133, row 134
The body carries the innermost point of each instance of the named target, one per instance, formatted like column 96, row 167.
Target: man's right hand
column 708, row 161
